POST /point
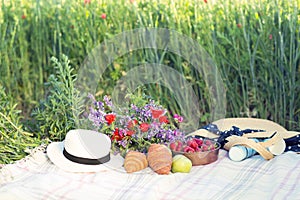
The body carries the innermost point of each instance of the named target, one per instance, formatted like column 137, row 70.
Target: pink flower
column 103, row 16
column 270, row 36
column 178, row 118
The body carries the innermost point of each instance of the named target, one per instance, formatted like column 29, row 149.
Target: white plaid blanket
column 35, row 177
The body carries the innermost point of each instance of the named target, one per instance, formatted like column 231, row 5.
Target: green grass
column 255, row 45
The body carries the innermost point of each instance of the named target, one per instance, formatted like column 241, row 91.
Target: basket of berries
column 199, row 150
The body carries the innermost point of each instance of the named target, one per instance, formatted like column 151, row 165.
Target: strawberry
column 193, row 144
column 179, row 147
column 173, row 146
column 199, row 141
column 208, row 142
column 188, row 149
column 204, row 148
column 189, row 142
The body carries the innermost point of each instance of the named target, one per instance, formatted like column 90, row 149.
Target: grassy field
column 255, row 45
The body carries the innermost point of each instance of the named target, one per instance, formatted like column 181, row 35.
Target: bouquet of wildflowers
column 136, row 126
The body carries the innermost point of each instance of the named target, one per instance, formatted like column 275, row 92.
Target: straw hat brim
column 55, row 154
column 247, row 123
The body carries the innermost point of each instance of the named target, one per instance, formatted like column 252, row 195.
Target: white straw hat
column 84, row 151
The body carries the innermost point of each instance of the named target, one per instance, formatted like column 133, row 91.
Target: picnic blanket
column 35, row 177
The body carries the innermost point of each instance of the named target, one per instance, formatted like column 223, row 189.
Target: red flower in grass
column 87, row 2
column 239, row 25
column 110, row 118
column 23, row 16
column 270, row 37
column 157, row 113
column 205, row 1
column 103, row 16
column 144, row 127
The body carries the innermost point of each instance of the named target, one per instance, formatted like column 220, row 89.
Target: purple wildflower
column 107, row 101
column 123, row 143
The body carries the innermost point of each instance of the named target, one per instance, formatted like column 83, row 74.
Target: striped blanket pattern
column 35, row 177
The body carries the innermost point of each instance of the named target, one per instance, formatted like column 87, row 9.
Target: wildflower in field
column 103, row 16
column 87, row 2
column 239, row 25
column 23, row 16
column 205, row 1
column 270, row 36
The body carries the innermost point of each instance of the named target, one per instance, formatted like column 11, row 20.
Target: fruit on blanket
column 135, row 161
column 181, row 164
column 160, row 158
column 176, row 146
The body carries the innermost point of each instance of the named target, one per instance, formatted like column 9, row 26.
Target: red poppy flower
column 144, row 127
column 239, row 25
column 163, row 119
column 157, row 113
column 23, row 16
column 132, row 123
column 110, row 118
column 205, row 1
column 103, row 16
column 117, row 136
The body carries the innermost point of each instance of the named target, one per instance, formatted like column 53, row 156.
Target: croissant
column 135, row 161
column 159, row 158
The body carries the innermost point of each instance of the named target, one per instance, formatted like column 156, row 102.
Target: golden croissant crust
column 160, row 158
column 135, row 161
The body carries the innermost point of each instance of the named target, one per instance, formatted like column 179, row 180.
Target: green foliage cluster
column 14, row 140
column 61, row 109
